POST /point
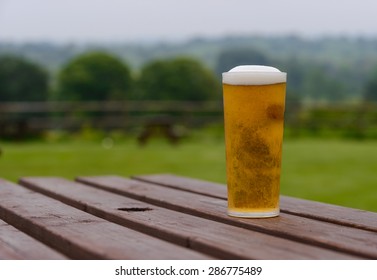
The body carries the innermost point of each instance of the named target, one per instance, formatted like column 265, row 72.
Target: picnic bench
column 159, row 125
column 164, row 216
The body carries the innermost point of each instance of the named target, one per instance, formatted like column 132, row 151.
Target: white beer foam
column 254, row 75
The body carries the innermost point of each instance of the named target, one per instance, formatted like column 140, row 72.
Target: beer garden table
column 164, row 216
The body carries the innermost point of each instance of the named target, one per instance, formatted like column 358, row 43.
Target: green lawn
column 334, row 171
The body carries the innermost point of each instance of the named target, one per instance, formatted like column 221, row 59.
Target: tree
column 370, row 89
column 94, row 76
column 178, row 79
column 22, row 80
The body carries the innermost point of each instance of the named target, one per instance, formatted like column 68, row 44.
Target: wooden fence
column 24, row 118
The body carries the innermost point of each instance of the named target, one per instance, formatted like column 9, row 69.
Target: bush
column 94, row 76
column 177, row 79
column 22, row 80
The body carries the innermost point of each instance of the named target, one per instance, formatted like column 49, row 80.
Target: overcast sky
column 135, row 20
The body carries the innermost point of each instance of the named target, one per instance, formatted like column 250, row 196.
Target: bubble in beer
column 254, row 75
column 275, row 112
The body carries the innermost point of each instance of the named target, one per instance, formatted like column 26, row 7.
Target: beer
column 254, row 102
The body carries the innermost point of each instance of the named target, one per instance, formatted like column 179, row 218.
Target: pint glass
column 254, row 103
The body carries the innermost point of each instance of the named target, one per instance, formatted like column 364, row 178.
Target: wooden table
column 168, row 217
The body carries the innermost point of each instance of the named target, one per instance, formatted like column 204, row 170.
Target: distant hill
column 348, row 60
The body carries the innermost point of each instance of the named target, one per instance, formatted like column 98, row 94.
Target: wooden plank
column 331, row 213
column 350, row 240
column 16, row 245
column 194, row 232
column 301, row 207
column 207, row 188
column 77, row 234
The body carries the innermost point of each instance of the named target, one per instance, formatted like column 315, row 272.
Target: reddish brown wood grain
column 15, row 244
column 214, row 238
column 301, row 207
column 78, row 234
column 327, row 235
column 207, row 188
column 110, row 217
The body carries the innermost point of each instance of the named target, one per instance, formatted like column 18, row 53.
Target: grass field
column 334, row 171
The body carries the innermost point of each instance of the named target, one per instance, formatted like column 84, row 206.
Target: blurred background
column 134, row 87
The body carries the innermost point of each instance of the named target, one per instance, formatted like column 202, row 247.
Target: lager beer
column 254, row 102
